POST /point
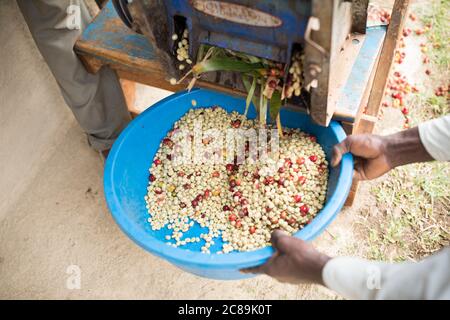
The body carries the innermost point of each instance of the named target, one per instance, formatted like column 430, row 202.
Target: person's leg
column 96, row 100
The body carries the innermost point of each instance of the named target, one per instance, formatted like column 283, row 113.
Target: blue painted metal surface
column 353, row 91
column 274, row 43
column 126, row 179
column 108, row 32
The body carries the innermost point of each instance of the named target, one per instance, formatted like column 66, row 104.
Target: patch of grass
column 416, row 206
column 436, row 15
column 375, row 250
column 425, row 106
column 438, row 105
column 415, row 199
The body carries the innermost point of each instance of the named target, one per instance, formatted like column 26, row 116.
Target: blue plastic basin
column 126, row 179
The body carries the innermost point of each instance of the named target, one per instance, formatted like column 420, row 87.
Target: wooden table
column 107, row 41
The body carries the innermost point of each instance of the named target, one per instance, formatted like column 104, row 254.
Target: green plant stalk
column 250, row 93
column 262, row 105
column 274, row 110
column 225, row 64
column 217, row 59
column 275, row 105
column 243, row 56
column 201, row 53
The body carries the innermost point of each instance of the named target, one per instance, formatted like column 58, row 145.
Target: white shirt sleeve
column 356, row 278
column 435, row 137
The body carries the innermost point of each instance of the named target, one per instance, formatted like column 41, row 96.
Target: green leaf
column 201, row 52
column 250, row 92
column 243, row 56
column 253, row 59
column 279, row 126
column 275, row 105
column 219, row 53
column 262, row 106
column 255, row 99
column 265, row 105
column 225, row 64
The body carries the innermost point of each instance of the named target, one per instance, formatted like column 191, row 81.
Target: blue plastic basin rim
column 233, row 260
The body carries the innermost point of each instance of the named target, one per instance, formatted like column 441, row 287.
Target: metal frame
column 140, row 64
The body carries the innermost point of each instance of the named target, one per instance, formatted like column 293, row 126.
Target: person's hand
column 294, row 261
column 370, row 153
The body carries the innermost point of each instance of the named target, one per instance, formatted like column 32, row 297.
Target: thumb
column 339, row 150
column 281, row 241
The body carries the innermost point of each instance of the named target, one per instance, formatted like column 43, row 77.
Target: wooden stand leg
column 91, row 64
column 368, row 120
column 393, row 36
column 129, row 92
column 352, row 194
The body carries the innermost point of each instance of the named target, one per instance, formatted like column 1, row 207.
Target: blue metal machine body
column 320, row 30
column 266, row 29
column 108, row 33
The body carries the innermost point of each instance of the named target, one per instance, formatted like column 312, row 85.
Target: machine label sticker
column 236, row 13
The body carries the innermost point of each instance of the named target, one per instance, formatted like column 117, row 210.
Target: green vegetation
column 437, row 17
column 413, row 202
column 415, row 205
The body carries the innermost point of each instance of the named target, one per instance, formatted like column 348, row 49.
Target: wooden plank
column 352, row 194
column 344, row 64
column 394, row 33
column 364, row 101
column 368, row 120
column 107, row 56
column 322, row 10
column 354, row 95
column 348, row 127
column 154, row 79
column 91, row 63
column 129, row 92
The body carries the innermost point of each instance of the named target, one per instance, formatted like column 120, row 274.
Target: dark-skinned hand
column 375, row 155
column 295, row 261
column 369, row 152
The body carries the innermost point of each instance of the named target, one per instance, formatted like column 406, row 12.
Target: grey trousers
column 96, row 101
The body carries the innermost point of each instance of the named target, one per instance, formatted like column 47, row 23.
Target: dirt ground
column 58, row 218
